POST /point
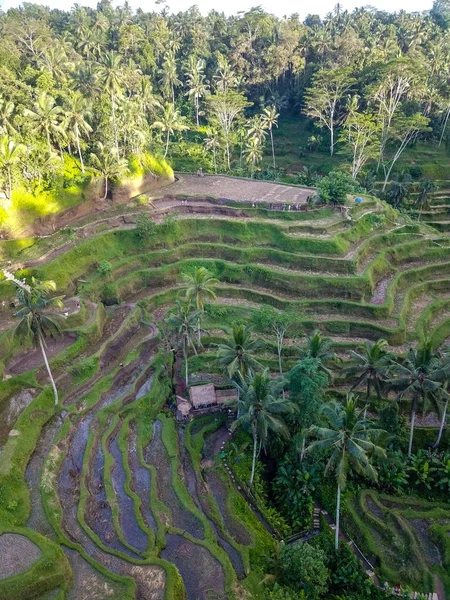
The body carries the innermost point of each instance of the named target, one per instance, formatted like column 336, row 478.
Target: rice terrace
column 224, row 305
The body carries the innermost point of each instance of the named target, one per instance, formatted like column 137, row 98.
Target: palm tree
column 257, row 129
column 171, row 121
column 199, row 286
column 270, row 120
column 260, row 408
column 75, row 120
column 6, row 112
column 108, row 164
column 110, row 75
column 399, row 189
column 236, row 355
column 169, row 79
column 319, row 347
column 253, row 154
column 351, row 441
column 426, row 187
column 47, row 117
column 419, row 376
column 212, row 143
column 371, row 366
column 36, row 319
column 10, row 154
column 198, row 87
column 184, row 321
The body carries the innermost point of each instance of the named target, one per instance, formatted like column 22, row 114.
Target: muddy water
column 89, row 584
column 128, row 523
column 141, row 480
column 202, row 574
column 156, row 454
column 237, row 531
column 192, row 484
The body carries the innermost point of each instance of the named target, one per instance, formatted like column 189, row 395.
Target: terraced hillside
column 121, row 502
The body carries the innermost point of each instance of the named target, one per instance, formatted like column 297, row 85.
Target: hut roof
column 227, row 395
column 202, row 395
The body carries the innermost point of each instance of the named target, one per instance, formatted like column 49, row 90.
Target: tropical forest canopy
column 93, row 83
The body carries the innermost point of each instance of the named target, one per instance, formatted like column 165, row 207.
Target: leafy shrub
column 335, row 186
column 104, row 267
column 145, row 227
column 303, row 568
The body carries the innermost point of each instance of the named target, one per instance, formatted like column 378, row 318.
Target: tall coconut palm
column 199, row 286
column 371, row 366
column 108, row 165
column 236, row 354
column 212, row 143
column 351, row 440
column 419, row 377
column 75, row 120
column 170, row 122
column 47, row 117
column 37, row 321
column 169, row 77
column 10, row 154
column 253, row 153
column 198, row 87
column 270, row 120
column 260, row 409
column 110, row 74
column 184, row 321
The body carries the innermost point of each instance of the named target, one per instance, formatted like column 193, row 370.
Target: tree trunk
column 186, row 364
column 228, row 152
column 113, row 105
column 79, row 149
column 302, row 451
column 52, row 381
column 49, row 146
column 338, row 510
column 255, row 446
column 167, row 144
column 332, row 138
column 273, row 149
column 442, row 425
column 214, row 158
column 411, row 431
column 199, row 333
column 106, row 188
column 10, row 184
column 196, row 111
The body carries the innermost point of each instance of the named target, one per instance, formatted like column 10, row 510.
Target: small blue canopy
column 358, row 200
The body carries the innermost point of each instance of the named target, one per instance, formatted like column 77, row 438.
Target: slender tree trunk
column 49, row 146
column 10, row 184
column 106, row 188
column 113, row 106
column 199, row 333
column 79, row 149
column 167, row 144
column 255, row 446
column 273, row 149
column 186, row 366
column 445, row 125
column 338, row 514
column 411, row 430
column 332, row 138
column 214, row 158
column 302, row 451
column 196, row 111
column 442, row 425
column 52, row 381
column 227, row 144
